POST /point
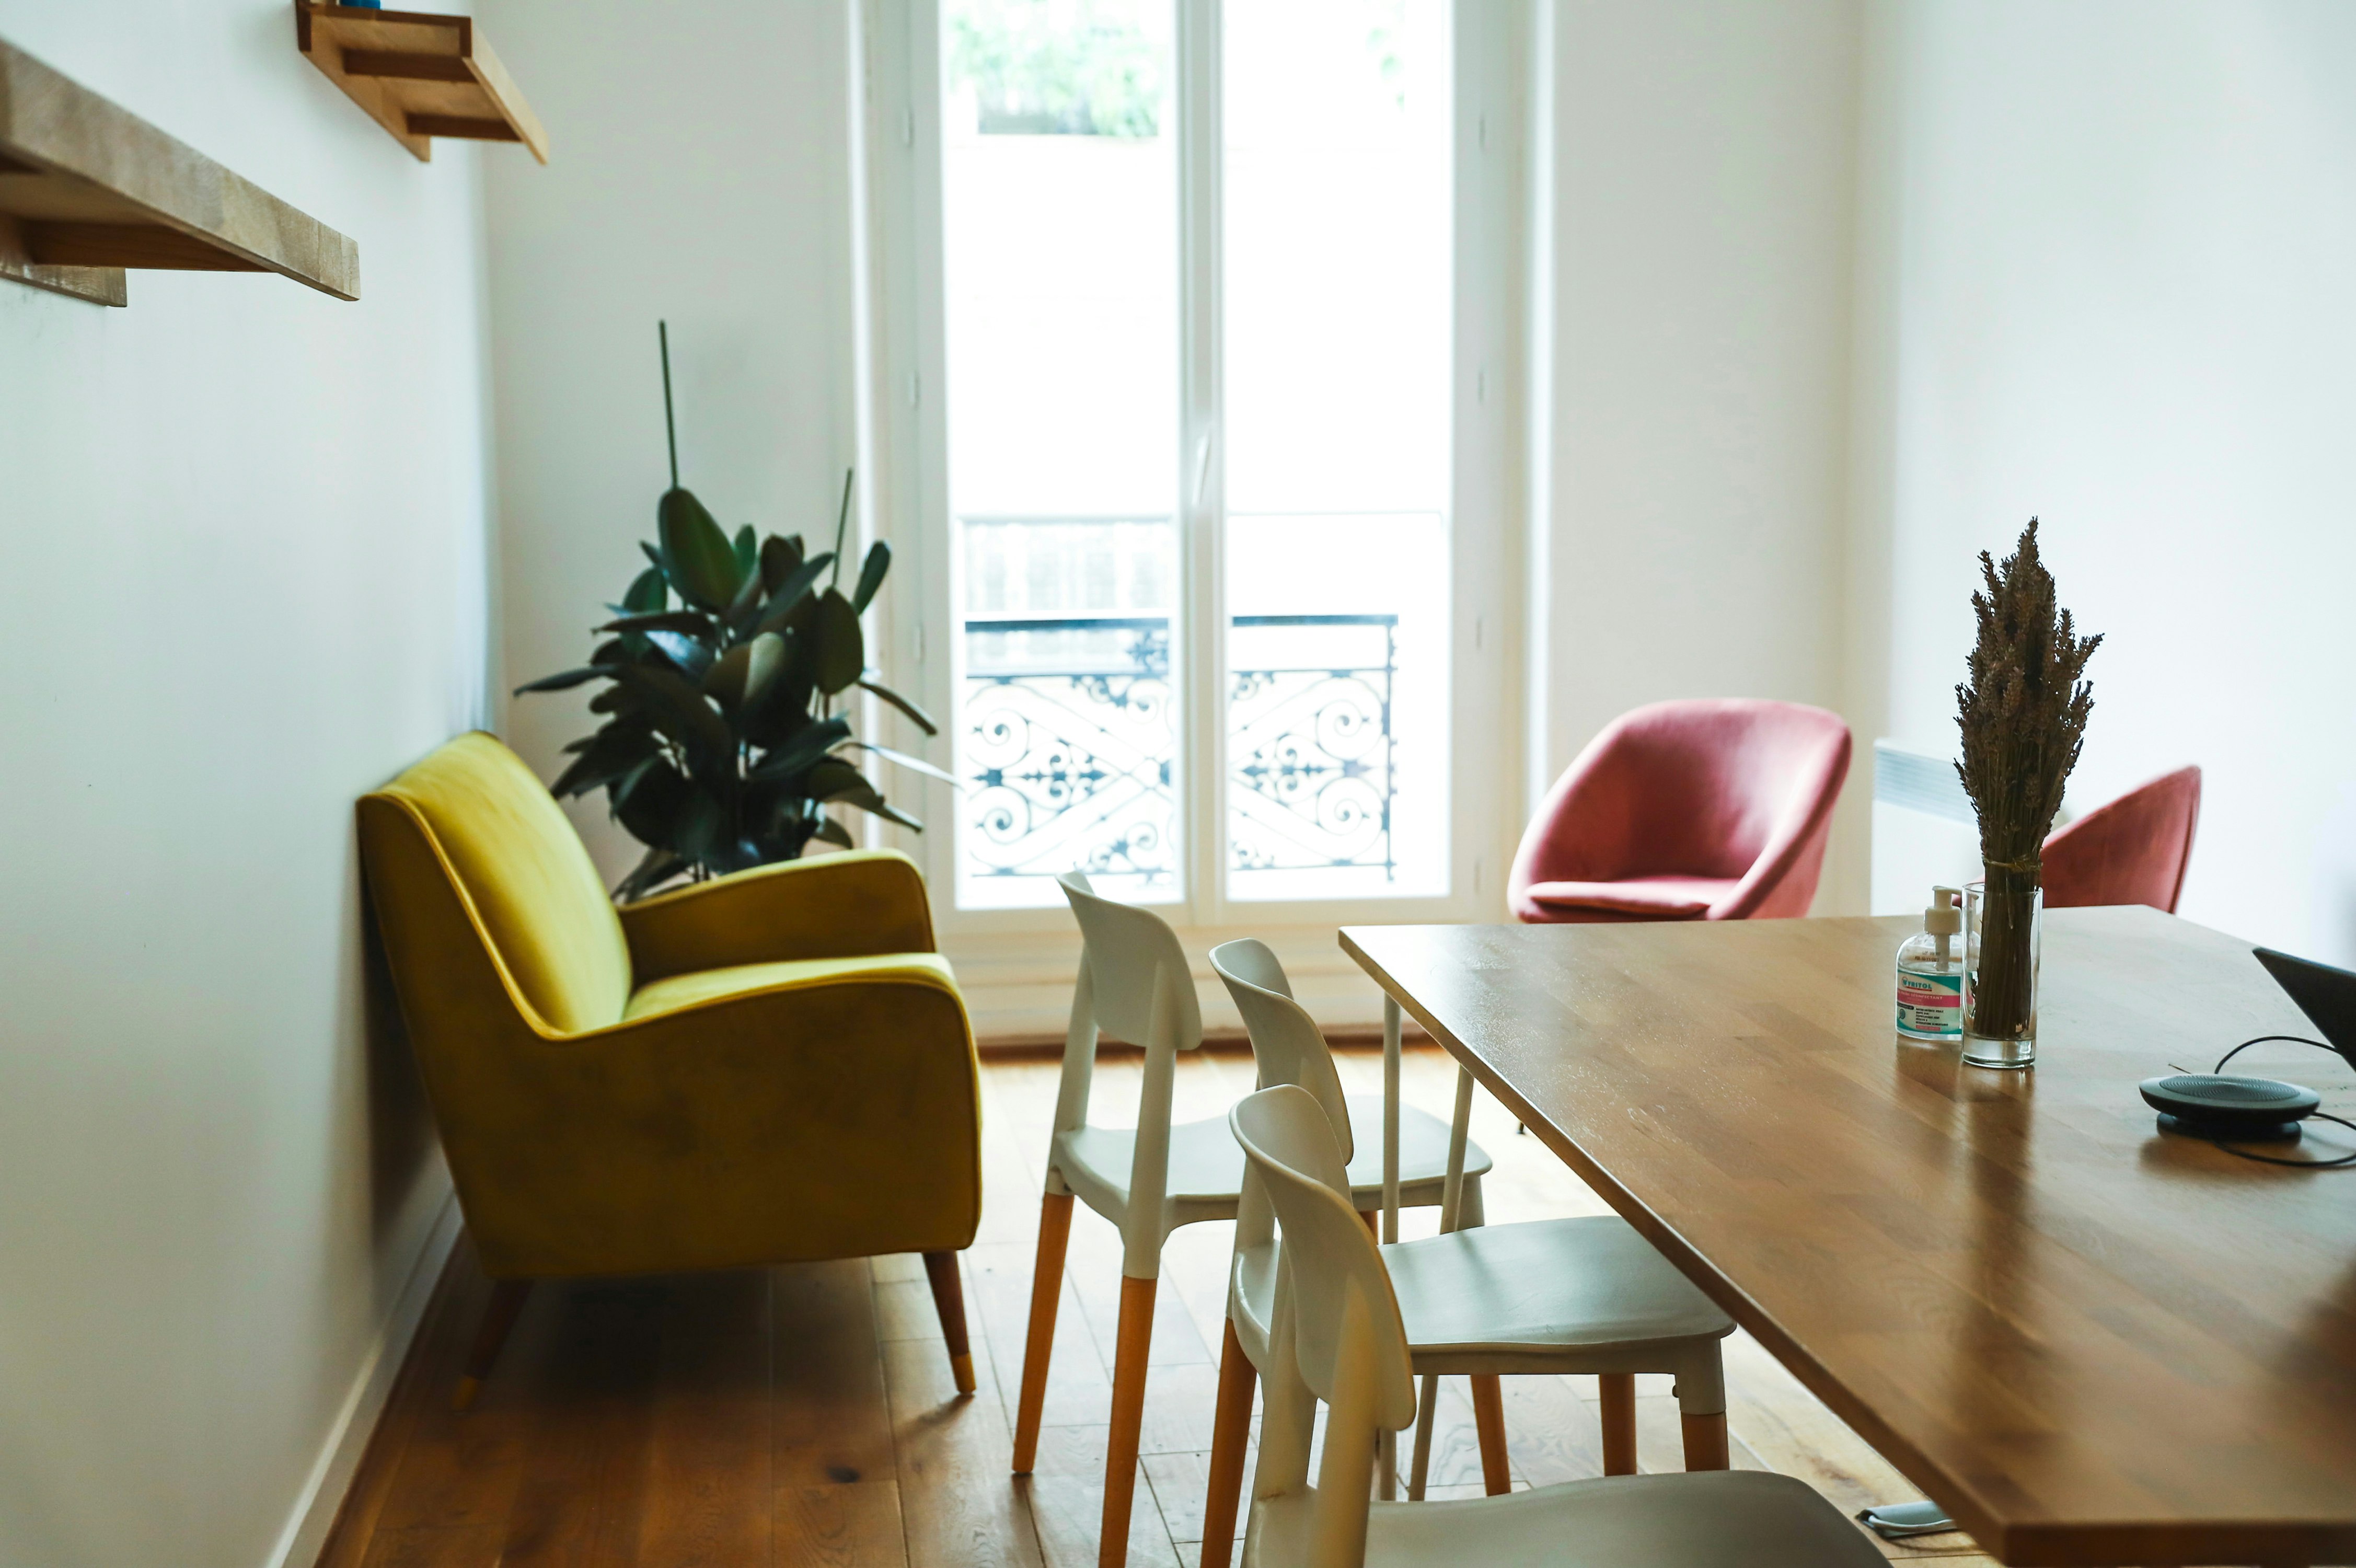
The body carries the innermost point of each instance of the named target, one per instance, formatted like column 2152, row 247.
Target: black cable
column 2348, row 1159
column 2262, row 1039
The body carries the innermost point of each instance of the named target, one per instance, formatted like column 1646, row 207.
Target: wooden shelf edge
column 372, row 55
column 114, row 192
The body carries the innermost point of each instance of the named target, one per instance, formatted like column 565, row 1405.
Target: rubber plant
column 723, row 746
column 2023, row 713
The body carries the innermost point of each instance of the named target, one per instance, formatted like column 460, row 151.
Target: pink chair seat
column 1712, row 810
column 2132, row 850
column 1636, row 898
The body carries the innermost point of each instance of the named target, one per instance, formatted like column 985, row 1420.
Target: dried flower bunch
column 2023, row 711
column 2023, row 714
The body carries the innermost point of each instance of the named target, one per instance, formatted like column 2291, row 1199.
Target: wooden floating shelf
column 418, row 75
column 88, row 189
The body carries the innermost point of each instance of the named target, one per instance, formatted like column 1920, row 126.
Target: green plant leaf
column 691, row 654
column 796, row 584
column 696, row 555
column 833, row 833
column 648, row 593
column 812, row 743
column 780, row 560
column 658, row 867
column 695, row 623
column 650, row 808
column 566, row 681
column 832, row 777
column 871, row 576
column 916, row 715
column 749, row 551
column 724, row 681
column 917, row 764
column 610, row 753
column 678, row 709
column 841, row 649
column 767, row 660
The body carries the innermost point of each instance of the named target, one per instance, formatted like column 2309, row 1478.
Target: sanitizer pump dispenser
column 1931, row 973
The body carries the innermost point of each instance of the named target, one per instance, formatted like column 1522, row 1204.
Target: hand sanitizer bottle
column 1930, row 973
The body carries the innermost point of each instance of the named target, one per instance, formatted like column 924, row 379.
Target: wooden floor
column 806, row 1414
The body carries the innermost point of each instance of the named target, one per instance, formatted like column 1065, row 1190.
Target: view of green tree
column 1067, row 68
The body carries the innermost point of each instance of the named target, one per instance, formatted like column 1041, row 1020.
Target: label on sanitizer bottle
column 1930, row 1007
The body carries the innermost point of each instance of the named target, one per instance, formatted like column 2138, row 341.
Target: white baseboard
column 1018, row 984
column 315, row 1510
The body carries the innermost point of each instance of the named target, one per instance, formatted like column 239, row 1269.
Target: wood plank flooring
column 806, row 1415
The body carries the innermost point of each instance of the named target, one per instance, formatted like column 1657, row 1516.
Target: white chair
column 1136, row 984
column 1584, row 1295
column 1337, row 1336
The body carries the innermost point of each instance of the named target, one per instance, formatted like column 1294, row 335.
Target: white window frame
column 903, row 367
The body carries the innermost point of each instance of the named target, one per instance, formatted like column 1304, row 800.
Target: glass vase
column 2004, row 919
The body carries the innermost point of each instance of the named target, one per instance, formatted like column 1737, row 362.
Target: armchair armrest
column 836, row 905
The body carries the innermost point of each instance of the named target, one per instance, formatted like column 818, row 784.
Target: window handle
column 1202, row 467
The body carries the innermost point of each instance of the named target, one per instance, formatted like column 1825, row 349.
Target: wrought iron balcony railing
column 1070, row 742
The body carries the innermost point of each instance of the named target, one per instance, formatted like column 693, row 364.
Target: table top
column 2091, row 1342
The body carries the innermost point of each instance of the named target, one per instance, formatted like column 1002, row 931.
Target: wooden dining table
column 2092, row 1341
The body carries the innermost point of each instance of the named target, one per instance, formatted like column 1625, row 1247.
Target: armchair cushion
column 668, row 996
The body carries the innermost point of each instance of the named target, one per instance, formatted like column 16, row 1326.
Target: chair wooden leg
column 1706, row 1442
column 1046, row 1289
column 948, row 1300
column 1427, row 1414
column 1134, row 1338
column 1230, row 1435
column 498, row 1318
column 1489, row 1425
column 1617, row 1394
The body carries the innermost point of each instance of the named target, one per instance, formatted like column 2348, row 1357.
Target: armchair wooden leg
column 1489, row 1426
column 1706, row 1442
column 948, row 1300
column 1134, row 1339
column 498, row 1318
column 1046, row 1289
column 1616, row 1393
column 1230, row 1435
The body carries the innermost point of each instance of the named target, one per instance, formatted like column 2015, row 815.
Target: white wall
column 242, row 527
column 2111, row 248
column 1690, row 358
column 700, row 172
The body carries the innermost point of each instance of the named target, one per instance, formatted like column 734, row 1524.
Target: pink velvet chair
column 2133, row 850
column 1712, row 810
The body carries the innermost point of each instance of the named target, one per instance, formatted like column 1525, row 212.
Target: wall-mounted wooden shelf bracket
column 88, row 189
column 418, row 75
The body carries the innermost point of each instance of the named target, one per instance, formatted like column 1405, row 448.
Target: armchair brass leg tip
column 463, row 1398
column 961, row 1368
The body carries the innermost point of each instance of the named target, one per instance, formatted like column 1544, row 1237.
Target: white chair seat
column 1574, row 1296
column 1720, row 1519
column 1206, row 1168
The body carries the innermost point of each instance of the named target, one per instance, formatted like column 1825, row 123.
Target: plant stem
column 2004, row 993
column 670, row 430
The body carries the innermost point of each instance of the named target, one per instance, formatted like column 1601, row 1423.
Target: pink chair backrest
column 1733, row 788
column 2131, row 851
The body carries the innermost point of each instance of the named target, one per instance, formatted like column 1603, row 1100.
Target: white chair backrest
column 1335, row 1272
column 1337, row 1336
column 1287, row 1045
column 1133, row 961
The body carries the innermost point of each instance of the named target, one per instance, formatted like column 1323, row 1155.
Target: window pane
column 1060, row 203
column 1337, row 225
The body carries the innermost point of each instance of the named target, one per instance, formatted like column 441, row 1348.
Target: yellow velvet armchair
column 773, row 1067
